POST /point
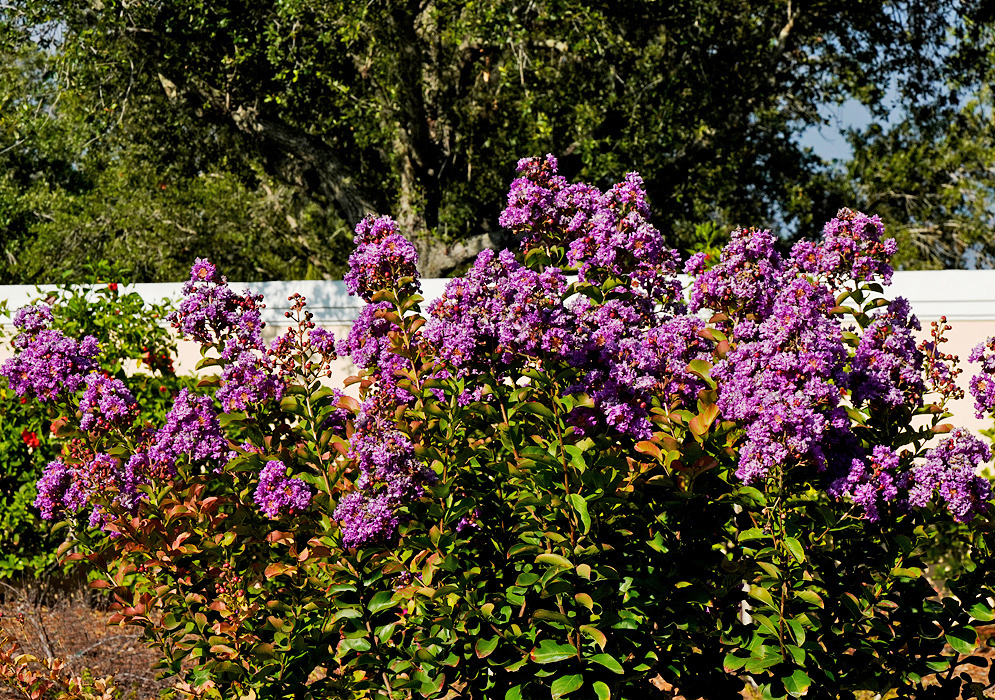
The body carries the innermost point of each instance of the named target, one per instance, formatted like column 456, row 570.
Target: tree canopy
column 259, row 133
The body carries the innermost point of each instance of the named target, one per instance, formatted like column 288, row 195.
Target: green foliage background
column 257, row 134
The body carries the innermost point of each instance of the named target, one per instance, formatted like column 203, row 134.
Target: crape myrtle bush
column 559, row 479
column 134, row 349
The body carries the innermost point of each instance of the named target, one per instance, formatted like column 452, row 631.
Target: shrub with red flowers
column 567, row 476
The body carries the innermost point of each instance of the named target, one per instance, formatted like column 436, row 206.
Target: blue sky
column 828, row 141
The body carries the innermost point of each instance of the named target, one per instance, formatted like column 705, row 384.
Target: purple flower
column 391, row 476
column 52, row 487
column 34, row 318
column 49, row 363
column 322, row 341
column 852, row 248
column 950, row 470
column 192, row 428
column 382, row 257
column 746, row 279
column 873, row 481
column 276, row 493
column 983, row 384
column 106, row 402
column 783, row 384
column 370, row 346
column 247, row 380
column 887, row 366
column 212, row 314
column 74, row 487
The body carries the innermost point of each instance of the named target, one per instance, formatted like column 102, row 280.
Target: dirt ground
column 73, row 627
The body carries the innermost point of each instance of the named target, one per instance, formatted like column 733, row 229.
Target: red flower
column 30, row 438
column 112, row 286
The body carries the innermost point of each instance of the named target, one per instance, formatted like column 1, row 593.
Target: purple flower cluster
column 391, row 476
column 249, row 379
column 212, row 314
column 852, row 248
column 950, row 470
column 34, row 318
column 872, row 482
column 606, row 234
column 48, row 362
column 887, row 367
column 192, row 428
column 382, row 257
column 106, row 402
column 370, row 345
column 500, row 308
column 744, row 282
column 503, row 311
column 72, row 487
column 983, row 384
column 782, row 382
column 277, row 493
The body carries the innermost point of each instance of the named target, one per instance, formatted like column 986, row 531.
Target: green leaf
column 982, row 612
column 963, row 640
column 594, row 633
column 554, row 560
column 812, row 598
column 763, row 595
column 485, row 647
column 703, row 369
column 550, row 652
column 754, row 533
column 608, row 662
column 796, row 549
column 536, row 409
column 514, row 693
column 566, row 685
column 381, row 601
column 797, row 683
column 602, row 691
column 733, row 662
column 580, row 505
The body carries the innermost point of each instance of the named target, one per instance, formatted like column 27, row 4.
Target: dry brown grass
column 70, row 623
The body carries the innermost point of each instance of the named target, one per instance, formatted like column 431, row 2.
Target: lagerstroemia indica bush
column 559, row 479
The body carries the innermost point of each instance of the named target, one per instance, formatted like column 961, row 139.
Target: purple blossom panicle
column 606, row 234
column 887, row 367
column 49, row 363
column 533, row 212
column 212, row 314
column 983, row 384
column 783, row 385
column 382, row 257
column 370, row 346
column 106, row 402
column 852, row 248
column 746, row 279
column 950, row 470
column 277, row 494
column 499, row 307
column 391, row 476
column 73, row 487
column 248, row 380
column 192, row 428
column 33, row 318
column 873, row 482
column 52, row 487
column 322, row 342
column 696, row 264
